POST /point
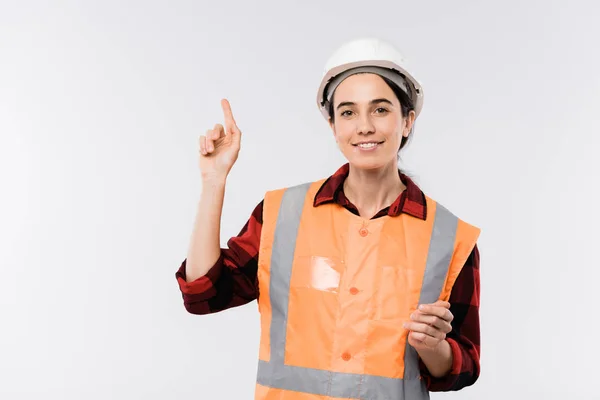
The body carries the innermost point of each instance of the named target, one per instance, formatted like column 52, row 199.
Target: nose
column 365, row 125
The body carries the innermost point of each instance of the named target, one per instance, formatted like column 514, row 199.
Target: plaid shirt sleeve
column 232, row 281
column 464, row 337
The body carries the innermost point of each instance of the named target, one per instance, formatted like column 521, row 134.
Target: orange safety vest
column 335, row 290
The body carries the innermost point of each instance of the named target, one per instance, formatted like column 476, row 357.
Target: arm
column 231, row 280
column 462, row 344
column 204, row 247
column 212, row 279
column 218, row 152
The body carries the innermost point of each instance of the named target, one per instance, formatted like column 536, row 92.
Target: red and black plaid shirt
column 233, row 280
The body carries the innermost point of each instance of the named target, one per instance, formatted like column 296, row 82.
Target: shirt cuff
column 447, row 382
column 204, row 286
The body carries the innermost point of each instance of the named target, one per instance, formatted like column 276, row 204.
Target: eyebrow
column 374, row 101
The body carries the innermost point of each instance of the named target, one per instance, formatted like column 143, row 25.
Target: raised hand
column 220, row 146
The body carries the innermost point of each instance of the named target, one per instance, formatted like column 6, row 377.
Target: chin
column 368, row 163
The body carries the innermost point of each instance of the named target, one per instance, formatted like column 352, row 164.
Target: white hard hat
column 367, row 55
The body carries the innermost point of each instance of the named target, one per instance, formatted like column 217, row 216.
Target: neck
column 372, row 190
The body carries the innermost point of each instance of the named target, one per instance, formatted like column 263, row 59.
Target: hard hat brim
column 417, row 97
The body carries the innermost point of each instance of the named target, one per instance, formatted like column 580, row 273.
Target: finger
column 438, row 311
column 218, row 132
column 425, row 329
column 210, row 147
column 202, row 143
column 229, row 120
column 424, row 339
column 432, row 320
column 441, row 303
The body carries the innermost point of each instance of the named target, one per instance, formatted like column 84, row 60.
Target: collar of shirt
column 411, row 201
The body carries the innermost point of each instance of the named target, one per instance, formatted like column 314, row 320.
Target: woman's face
column 368, row 124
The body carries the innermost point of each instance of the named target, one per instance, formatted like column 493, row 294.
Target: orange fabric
column 354, row 282
column 462, row 250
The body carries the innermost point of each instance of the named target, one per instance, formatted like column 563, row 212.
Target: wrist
column 214, row 180
column 442, row 349
column 437, row 360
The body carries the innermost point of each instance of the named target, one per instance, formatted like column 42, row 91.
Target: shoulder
column 445, row 221
column 297, row 190
column 434, row 209
column 298, row 186
column 439, row 210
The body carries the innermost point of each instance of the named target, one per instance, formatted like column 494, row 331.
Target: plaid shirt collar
column 411, row 201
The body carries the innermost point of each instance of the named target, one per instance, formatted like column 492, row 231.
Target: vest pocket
column 394, row 293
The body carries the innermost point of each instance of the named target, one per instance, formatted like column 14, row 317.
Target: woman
column 367, row 288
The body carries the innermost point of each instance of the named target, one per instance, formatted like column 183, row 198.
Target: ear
column 408, row 123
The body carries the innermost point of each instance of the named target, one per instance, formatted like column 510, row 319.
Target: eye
column 344, row 113
column 381, row 110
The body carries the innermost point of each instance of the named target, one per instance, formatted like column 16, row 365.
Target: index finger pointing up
column 229, row 121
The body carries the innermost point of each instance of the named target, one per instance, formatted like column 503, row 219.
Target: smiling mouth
column 367, row 145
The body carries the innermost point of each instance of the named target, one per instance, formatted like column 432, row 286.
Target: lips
column 367, row 145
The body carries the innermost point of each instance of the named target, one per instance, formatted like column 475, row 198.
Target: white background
column 101, row 105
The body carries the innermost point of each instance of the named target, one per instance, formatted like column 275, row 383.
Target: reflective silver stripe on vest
column 277, row 375
column 438, row 261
